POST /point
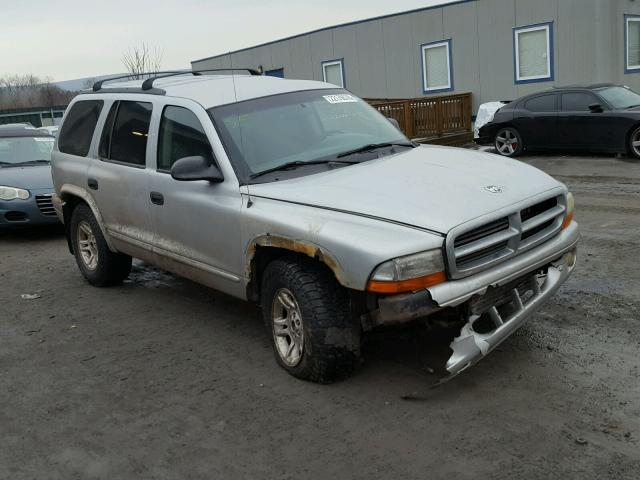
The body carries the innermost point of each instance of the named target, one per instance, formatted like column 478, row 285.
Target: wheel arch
column 71, row 197
column 265, row 248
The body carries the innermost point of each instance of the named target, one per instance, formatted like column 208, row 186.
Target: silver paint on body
column 352, row 218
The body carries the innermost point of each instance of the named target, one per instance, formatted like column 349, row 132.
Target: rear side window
column 181, row 135
column 544, row 103
column 577, row 102
column 77, row 130
column 124, row 138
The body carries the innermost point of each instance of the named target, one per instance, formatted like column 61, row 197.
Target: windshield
column 620, row 97
column 18, row 150
column 301, row 127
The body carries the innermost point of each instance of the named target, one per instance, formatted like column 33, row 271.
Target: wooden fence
column 430, row 118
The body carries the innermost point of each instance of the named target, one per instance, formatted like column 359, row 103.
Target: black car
column 603, row 118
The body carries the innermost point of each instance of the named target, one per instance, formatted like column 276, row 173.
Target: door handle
column 92, row 183
column 156, row 198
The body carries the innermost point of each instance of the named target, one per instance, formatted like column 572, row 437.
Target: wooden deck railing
column 429, row 117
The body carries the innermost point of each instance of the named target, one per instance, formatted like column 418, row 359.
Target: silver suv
column 299, row 196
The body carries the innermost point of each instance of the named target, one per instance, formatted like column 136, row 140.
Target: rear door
column 119, row 179
column 536, row 120
column 579, row 127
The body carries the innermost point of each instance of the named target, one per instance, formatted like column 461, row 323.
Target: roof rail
column 98, row 85
column 148, row 83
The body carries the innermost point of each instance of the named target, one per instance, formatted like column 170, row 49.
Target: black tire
column 508, row 142
column 331, row 337
column 634, row 137
column 110, row 268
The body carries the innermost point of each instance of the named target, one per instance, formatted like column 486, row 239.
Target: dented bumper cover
column 557, row 257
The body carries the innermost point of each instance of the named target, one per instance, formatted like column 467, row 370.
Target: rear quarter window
column 78, row 127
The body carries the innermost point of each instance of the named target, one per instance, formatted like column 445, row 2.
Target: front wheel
column 309, row 321
column 99, row 265
column 508, row 142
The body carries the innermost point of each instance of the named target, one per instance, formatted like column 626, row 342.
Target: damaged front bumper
column 506, row 296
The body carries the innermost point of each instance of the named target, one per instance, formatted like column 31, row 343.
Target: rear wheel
column 634, row 143
column 508, row 142
column 309, row 320
column 99, row 265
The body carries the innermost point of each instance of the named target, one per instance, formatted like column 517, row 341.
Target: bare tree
column 138, row 60
column 25, row 91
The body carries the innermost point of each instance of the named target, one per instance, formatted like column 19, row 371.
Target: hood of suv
column 435, row 188
column 29, row 177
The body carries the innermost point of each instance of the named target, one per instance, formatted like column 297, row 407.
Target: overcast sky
column 67, row 39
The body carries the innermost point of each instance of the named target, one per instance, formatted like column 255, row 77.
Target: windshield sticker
column 43, row 139
column 342, row 98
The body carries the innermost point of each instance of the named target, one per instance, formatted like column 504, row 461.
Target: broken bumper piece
column 514, row 304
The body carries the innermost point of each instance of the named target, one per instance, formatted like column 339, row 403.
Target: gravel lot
column 161, row 378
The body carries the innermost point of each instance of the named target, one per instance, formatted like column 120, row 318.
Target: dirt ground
column 161, row 378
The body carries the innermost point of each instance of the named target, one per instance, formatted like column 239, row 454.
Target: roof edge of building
column 355, row 22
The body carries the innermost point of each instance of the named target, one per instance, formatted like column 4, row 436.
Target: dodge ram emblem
column 493, row 189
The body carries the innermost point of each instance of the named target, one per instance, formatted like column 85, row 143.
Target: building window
column 276, row 72
column 533, row 49
column 632, row 35
column 436, row 67
column 333, row 72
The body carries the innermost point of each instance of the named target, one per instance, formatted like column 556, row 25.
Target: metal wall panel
column 398, row 45
column 382, row 56
column 495, row 22
column 460, row 24
column 345, row 46
column 321, row 47
column 301, row 66
column 280, row 57
column 371, row 63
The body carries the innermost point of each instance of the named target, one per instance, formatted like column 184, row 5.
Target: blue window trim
column 551, row 75
column 627, row 68
column 335, row 60
column 451, row 86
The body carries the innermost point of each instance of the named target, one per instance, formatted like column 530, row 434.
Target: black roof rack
column 98, row 85
column 148, row 83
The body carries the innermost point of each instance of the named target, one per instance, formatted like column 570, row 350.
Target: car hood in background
column 30, row 177
column 435, row 188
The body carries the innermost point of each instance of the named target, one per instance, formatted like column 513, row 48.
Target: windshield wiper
column 296, row 164
column 373, row 146
column 632, row 106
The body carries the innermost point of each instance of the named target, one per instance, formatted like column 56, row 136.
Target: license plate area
column 504, row 295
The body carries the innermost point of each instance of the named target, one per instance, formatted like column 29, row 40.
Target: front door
column 119, row 179
column 196, row 222
column 579, row 127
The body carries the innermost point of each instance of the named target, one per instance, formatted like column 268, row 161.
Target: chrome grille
column 45, row 205
column 481, row 244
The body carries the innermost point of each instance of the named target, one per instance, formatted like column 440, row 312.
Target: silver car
column 299, row 196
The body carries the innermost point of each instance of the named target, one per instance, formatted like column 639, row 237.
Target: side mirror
column 596, row 108
column 394, row 122
column 188, row 169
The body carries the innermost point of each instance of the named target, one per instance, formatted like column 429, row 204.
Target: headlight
column 409, row 273
column 571, row 206
column 11, row 193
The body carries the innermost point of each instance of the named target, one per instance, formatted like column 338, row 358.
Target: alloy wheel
column 287, row 327
column 87, row 245
column 507, row 142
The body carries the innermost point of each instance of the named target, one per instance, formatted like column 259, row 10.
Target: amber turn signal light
column 567, row 221
column 403, row 286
